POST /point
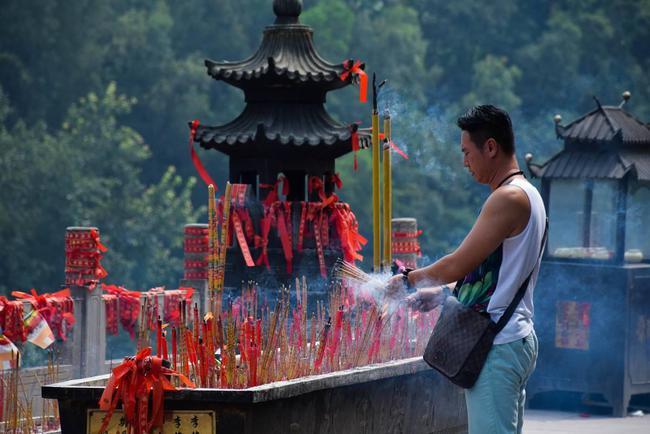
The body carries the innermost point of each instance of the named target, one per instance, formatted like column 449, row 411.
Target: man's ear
column 492, row 147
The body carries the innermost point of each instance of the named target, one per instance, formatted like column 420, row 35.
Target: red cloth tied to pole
column 355, row 69
column 112, row 310
column 129, row 302
column 171, row 300
column 139, row 383
column 57, row 309
column 83, row 252
column 196, row 160
column 11, row 320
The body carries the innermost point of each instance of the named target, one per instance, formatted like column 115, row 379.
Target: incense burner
column 403, row 396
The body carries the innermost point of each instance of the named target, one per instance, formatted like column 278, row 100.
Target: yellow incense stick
column 376, row 222
column 388, row 195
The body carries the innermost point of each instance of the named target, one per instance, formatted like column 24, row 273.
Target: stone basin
column 403, row 396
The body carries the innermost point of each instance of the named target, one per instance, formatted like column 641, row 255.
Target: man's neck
column 502, row 174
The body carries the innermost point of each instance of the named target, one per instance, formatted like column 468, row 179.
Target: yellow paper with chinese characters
column 176, row 422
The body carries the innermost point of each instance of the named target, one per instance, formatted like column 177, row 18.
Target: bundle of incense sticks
column 345, row 270
column 254, row 344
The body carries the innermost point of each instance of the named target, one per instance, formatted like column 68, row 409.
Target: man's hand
column 395, row 287
column 426, row 299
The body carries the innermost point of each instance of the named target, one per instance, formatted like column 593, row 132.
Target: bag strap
column 522, row 289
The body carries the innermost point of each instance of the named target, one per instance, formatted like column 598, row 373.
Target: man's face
column 474, row 158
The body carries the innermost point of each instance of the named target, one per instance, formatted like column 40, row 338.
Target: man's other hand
column 395, row 287
column 426, row 299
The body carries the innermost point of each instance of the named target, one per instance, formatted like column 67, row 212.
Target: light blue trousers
column 495, row 405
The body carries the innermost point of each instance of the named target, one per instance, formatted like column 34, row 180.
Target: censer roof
column 286, row 54
column 302, row 127
column 606, row 124
column 606, row 143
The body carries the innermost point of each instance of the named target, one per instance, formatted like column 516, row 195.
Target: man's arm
column 504, row 214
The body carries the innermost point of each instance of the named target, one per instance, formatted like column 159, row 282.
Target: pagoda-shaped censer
column 592, row 298
column 284, row 145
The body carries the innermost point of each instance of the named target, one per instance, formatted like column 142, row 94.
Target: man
column 490, row 265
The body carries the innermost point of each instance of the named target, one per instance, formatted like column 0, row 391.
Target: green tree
column 87, row 173
column 493, row 82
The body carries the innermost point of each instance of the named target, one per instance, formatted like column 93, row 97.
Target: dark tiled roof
column 286, row 53
column 603, row 164
column 306, row 125
column 606, row 124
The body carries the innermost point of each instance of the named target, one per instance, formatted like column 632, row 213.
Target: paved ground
column 558, row 422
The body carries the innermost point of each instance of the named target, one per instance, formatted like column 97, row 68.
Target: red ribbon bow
column 356, row 68
column 57, row 309
column 133, row 382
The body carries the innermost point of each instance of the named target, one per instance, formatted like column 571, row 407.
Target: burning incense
column 346, row 270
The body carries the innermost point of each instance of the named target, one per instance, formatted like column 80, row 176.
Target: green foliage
column 87, row 173
column 493, row 82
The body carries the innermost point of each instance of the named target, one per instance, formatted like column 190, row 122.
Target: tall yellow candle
column 376, row 221
column 388, row 195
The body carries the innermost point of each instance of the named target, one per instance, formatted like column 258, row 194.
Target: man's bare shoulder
column 510, row 203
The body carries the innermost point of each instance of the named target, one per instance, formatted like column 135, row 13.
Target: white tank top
column 519, row 255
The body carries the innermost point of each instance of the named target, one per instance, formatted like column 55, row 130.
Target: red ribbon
column 132, row 382
column 57, row 309
column 241, row 239
column 393, row 146
column 111, row 307
column 301, row 228
column 263, row 241
column 316, row 184
column 272, row 196
column 336, row 180
column 83, row 252
column 356, row 69
column 284, row 238
column 11, row 320
column 203, row 173
column 319, row 245
column 348, row 231
column 129, row 302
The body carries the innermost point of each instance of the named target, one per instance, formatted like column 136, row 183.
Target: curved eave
column 286, row 53
column 595, row 165
column 262, row 129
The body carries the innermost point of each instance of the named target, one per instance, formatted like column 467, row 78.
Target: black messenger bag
column 462, row 337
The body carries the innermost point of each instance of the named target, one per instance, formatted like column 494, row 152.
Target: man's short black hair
column 487, row 121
